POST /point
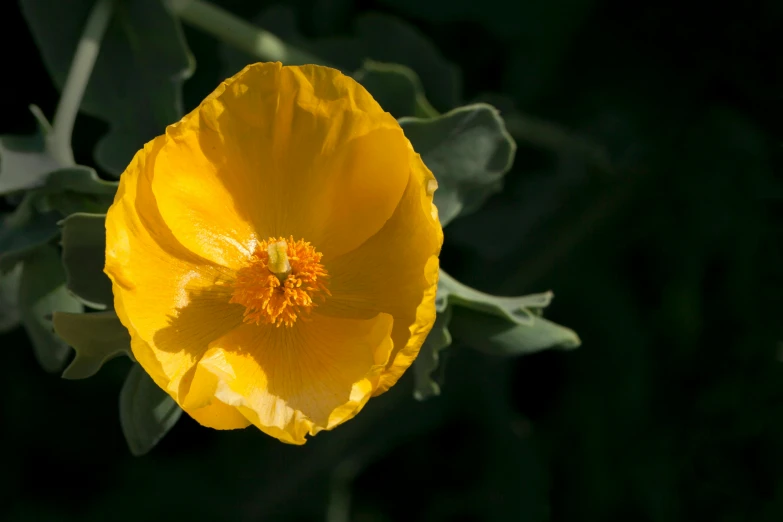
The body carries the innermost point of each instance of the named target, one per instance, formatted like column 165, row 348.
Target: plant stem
column 59, row 143
column 239, row 33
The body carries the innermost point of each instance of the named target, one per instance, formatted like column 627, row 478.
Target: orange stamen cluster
column 280, row 298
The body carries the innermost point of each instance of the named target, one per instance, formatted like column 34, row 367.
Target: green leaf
column 9, row 298
column 84, row 254
column 24, row 161
column 147, row 412
column 25, row 230
column 376, row 36
column 514, row 310
column 492, row 324
column 468, row 150
column 79, row 189
column 396, row 88
column 428, row 359
column 41, row 293
column 501, row 325
column 81, row 179
column 390, row 39
column 497, row 336
column 96, row 338
column 137, row 79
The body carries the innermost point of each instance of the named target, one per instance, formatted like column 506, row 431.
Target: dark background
column 665, row 256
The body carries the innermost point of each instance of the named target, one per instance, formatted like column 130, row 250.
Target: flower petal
column 290, row 382
column 205, row 215
column 220, row 416
column 394, row 272
column 172, row 301
column 280, row 151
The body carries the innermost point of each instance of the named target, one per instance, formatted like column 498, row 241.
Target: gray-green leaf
column 147, row 412
column 468, row 150
column 24, row 161
column 501, row 325
column 515, row 310
column 9, row 298
column 497, row 336
column 137, row 79
column 396, row 88
column 41, row 293
column 84, row 254
column 497, row 325
column 24, row 230
column 79, row 189
column 96, row 338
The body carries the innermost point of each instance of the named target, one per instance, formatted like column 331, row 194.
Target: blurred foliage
column 650, row 201
column 376, row 36
column 133, row 71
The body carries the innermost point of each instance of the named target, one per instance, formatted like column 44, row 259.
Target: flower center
column 280, row 282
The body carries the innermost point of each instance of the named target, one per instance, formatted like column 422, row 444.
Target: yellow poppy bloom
column 274, row 255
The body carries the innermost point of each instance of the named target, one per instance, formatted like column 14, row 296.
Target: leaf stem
column 59, row 142
column 239, row 33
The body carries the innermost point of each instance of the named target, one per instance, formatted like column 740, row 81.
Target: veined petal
column 290, row 382
column 206, row 216
column 395, row 272
column 220, row 416
column 172, row 301
column 274, row 152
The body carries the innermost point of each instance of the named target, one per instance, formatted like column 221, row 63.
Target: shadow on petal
column 291, row 382
column 206, row 317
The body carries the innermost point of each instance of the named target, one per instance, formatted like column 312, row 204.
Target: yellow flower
column 274, row 255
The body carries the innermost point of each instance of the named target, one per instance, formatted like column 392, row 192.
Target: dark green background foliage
column 656, row 220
